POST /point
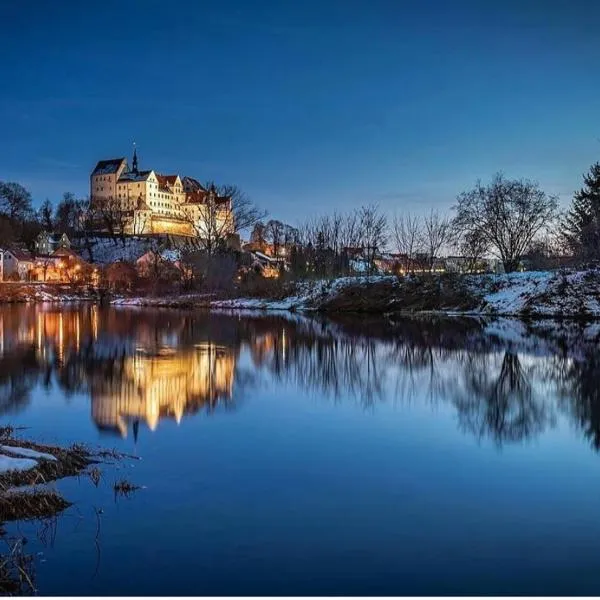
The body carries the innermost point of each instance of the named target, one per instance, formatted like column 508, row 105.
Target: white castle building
column 145, row 202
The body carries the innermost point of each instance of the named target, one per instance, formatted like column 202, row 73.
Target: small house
column 15, row 264
column 46, row 242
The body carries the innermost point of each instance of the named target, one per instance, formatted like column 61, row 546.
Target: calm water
column 295, row 456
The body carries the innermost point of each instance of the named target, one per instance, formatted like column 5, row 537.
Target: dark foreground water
column 293, row 456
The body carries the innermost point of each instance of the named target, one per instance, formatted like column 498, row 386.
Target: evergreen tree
column 581, row 227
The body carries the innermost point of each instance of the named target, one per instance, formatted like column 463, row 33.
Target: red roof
column 22, row 255
column 197, row 197
column 66, row 252
column 164, row 181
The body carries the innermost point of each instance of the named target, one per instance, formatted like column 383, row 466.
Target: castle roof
column 192, row 185
column 201, row 197
column 166, row 180
column 196, row 197
column 133, row 176
column 108, row 167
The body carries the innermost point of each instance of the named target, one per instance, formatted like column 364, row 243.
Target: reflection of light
column 77, row 331
column 39, row 330
column 164, row 383
column 61, row 347
column 95, row 322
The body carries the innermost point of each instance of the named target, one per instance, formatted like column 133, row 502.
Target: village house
column 62, row 266
column 144, row 202
column 47, row 242
column 269, row 266
column 15, row 264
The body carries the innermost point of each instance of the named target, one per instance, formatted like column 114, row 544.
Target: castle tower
column 134, row 162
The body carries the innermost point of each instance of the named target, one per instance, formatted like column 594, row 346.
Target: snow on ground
column 534, row 293
column 308, row 294
column 27, row 452
column 541, row 293
column 511, row 292
column 10, row 463
column 106, row 250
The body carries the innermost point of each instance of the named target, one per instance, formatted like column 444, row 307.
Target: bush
column 121, row 276
column 254, row 285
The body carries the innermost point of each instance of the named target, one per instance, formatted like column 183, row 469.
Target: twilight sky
column 308, row 106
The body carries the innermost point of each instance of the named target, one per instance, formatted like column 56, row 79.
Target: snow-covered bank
column 542, row 294
column 44, row 292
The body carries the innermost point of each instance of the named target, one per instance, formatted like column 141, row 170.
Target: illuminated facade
column 140, row 378
column 166, row 384
column 145, row 202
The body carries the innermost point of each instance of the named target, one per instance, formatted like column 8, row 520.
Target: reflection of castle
column 137, row 367
column 166, row 384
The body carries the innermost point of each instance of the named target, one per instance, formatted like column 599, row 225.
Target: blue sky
column 308, row 106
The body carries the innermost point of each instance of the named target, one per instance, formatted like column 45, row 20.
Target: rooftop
column 107, row 167
column 132, row 176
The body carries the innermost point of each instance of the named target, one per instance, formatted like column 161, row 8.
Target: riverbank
column 28, row 474
column 28, row 469
column 535, row 294
column 19, row 292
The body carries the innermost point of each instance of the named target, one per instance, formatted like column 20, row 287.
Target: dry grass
column 69, row 462
column 40, row 503
column 95, row 474
column 16, row 570
column 125, row 488
column 37, row 504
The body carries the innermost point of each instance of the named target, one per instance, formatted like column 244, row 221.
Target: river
column 282, row 454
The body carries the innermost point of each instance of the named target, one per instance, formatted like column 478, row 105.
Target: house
column 47, row 242
column 63, row 266
column 466, row 264
column 143, row 202
column 15, row 264
column 269, row 266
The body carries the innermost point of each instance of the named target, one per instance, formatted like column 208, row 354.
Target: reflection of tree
column 579, row 383
column 143, row 366
column 19, row 373
column 501, row 405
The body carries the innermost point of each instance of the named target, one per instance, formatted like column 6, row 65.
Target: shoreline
column 560, row 295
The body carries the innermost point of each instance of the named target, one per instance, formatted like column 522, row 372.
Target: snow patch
column 27, row 452
column 9, row 463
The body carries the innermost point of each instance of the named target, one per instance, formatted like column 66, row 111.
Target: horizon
column 327, row 104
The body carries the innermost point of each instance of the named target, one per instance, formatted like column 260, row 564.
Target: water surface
column 287, row 455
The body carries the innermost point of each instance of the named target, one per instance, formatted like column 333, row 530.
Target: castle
column 138, row 202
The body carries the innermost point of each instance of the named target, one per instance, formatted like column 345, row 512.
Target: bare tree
column 245, row 213
column 508, row 214
column 408, row 235
column 373, row 232
column 472, row 246
column 15, row 201
column 350, row 230
column 437, row 234
column 223, row 211
column 45, row 216
column 274, row 235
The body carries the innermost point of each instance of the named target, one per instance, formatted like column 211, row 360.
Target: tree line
column 505, row 218
column 509, row 219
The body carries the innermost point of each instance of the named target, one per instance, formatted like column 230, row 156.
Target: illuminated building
column 146, row 202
